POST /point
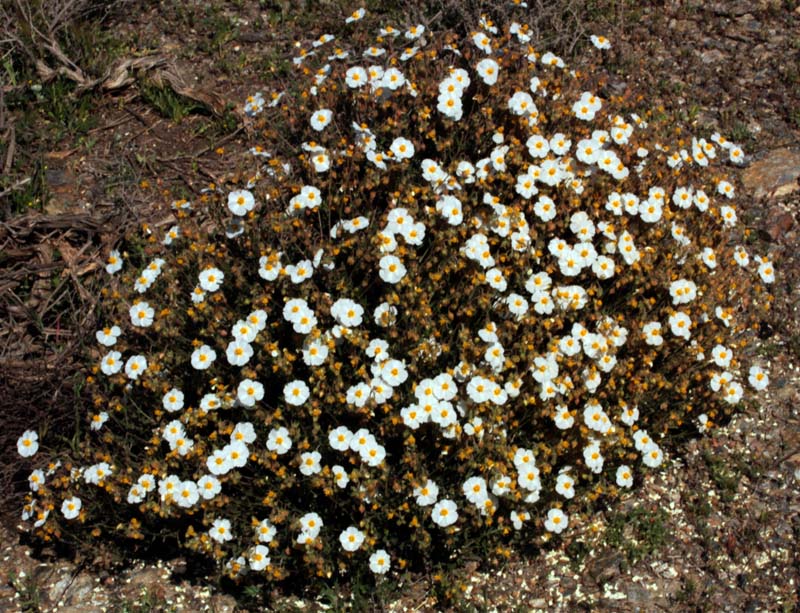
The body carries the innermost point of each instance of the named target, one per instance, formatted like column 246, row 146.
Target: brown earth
column 716, row 530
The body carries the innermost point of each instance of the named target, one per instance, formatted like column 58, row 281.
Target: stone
column 712, row 56
column 222, row 603
column 775, row 175
column 639, row 597
column 778, row 224
column 606, row 567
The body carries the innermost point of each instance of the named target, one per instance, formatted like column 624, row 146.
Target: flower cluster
column 474, row 293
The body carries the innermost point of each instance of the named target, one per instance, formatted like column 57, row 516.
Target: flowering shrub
column 462, row 293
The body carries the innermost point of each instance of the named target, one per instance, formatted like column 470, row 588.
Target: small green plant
column 726, row 478
column 148, row 601
column 29, row 595
column 638, row 532
column 169, row 103
column 33, row 194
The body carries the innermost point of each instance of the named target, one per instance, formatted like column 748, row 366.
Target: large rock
column 775, row 175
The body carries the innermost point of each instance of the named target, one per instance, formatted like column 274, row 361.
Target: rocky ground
column 717, row 529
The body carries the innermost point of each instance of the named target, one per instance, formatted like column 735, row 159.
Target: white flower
column 601, row 42
column 351, row 538
column 391, row 269
column 211, row 279
column 758, row 378
column 310, row 525
column 556, row 521
column 728, row 215
column 766, row 271
column 208, row 487
column 296, row 392
column 586, row 107
column 28, row 444
column 593, row 458
column 732, row 393
column 111, row 363
column 309, row 463
column 315, row 352
column 629, row 416
column 320, row 119
column 97, row 473
column 736, row 155
column 108, row 336
column 237, row 452
column 426, row 494
column 475, row 491
column 243, row 331
column 482, row 42
column 135, row 495
column 496, row 280
column 709, row 257
column 518, row 518
column 652, row 455
column 142, row 314
column 240, row 202
column 187, row 494
column 259, row 557
column 726, row 189
column 135, row 366
column 203, row 357
column 347, row 312
column 451, row 209
column 652, row 333
column 173, row 400
column 528, row 477
column 550, row 59
column 221, row 530
column 356, row 77
column 114, row 262
column 538, row 146
column 450, row 105
column 565, row 485
column 321, row 161
column 168, row 486
column 71, row 507
column 444, row 513
column 244, row 432
column 209, row 402
column 682, row 291
column 414, row 32
column 721, row 356
column 642, row 440
column 679, row 324
column 545, row 208
column 624, row 476
column 412, row 416
column 358, row 394
column 521, row 103
column 488, row 70
column 379, row 562
column 249, row 392
column 356, row 15
column 563, row 418
column 339, row 438
column 36, row 480
column 265, row 531
column 146, row 482
column 402, row 148
column 300, row 272
column 279, row 441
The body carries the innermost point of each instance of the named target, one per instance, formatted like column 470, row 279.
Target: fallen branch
column 15, row 187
